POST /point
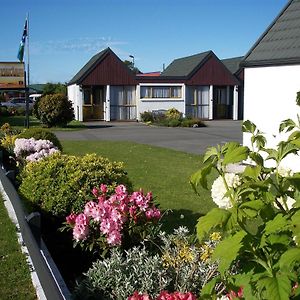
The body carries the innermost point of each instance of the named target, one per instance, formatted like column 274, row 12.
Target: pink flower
column 71, row 219
column 101, row 198
column 121, row 189
column 81, row 219
column 81, row 228
column 88, row 209
column 164, row 295
column 103, row 188
column 114, row 238
column 95, row 192
column 152, row 213
column 233, row 295
column 80, row 232
column 97, row 213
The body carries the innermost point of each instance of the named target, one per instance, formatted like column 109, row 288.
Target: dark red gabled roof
column 105, row 68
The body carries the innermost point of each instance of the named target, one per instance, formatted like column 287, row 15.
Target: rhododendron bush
column 258, row 212
column 32, row 149
column 106, row 220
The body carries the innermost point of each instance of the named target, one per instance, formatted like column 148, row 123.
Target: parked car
column 35, row 97
column 17, row 102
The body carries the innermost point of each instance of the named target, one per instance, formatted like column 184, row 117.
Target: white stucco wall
column 269, row 98
column 76, row 97
column 144, row 104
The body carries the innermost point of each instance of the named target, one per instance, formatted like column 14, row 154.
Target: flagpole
column 28, row 81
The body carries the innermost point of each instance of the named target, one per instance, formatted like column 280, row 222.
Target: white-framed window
column 161, row 92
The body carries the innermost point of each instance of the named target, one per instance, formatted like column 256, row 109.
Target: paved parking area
column 192, row 140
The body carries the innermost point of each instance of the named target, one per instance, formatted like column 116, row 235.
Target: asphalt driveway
column 192, row 140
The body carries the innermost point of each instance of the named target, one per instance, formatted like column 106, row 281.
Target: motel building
column 199, row 86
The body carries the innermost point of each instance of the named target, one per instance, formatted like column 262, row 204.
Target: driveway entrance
column 191, row 140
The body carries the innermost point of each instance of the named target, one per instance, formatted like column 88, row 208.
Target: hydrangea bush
column 105, row 221
column 259, row 214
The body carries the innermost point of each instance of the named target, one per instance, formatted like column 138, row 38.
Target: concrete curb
column 45, row 276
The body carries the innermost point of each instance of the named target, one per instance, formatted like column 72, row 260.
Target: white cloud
column 86, row 44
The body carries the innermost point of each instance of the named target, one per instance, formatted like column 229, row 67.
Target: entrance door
column 222, row 104
column 93, row 103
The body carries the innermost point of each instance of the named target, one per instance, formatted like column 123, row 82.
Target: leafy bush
column 259, row 213
column 194, row 122
column 179, row 265
column 41, row 134
column 35, row 108
column 173, row 113
column 4, row 112
column 55, row 110
column 173, row 122
column 147, row 116
column 61, row 184
column 117, row 277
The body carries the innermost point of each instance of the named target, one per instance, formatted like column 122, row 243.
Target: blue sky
column 65, row 34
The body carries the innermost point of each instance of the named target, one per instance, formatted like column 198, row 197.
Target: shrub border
column 47, row 280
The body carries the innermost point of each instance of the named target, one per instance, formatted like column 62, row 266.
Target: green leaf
column 256, row 157
column 277, row 224
column 295, row 222
column 279, row 239
column 260, row 140
column 273, row 154
column 209, row 288
column 210, row 153
column 227, row 251
column 287, row 125
column 295, row 181
column 215, row 218
column 200, row 177
column 286, row 148
column 252, row 171
column 235, row 153
column 296, row 143
column 248, row 126
column 251, row 208
column 289, row 258
column 275, row 288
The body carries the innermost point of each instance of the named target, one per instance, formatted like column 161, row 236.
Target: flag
column 22, row 43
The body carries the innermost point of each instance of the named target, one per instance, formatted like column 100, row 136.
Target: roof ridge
column 269, row 28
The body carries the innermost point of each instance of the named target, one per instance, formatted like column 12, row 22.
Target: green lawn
column 15, row 280
column 19, row 121
column 163, row 171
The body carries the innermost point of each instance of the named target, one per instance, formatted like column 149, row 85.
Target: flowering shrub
column 33, row 150
column 259, row 213
column 164, row 295
column 106, row 220
column 41, row 134
column 188, row 264
column 180, row 267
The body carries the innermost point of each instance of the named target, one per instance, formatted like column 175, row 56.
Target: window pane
column 176, row 92
column 145, row 92
column 87, row 96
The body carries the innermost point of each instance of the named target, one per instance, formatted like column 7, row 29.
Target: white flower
column 224, row 297
column 285, row 204
column 218, row 189
column 284, row 172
